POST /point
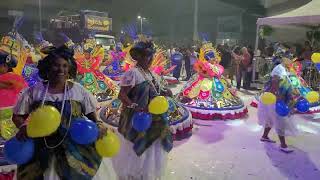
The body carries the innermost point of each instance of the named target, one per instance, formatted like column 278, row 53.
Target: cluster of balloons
column 45, row 121
column 282, row 109
column 160, row 105
column 85, row 132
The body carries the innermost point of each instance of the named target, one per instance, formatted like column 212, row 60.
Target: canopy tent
column 308, row 14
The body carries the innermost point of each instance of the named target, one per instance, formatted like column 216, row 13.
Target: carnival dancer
column 208, row 95
column 88, row 63
column 269, row 116
column 12, row 60
column 296, row 81
column 143, row 155
column 10, row 86
column 57, row 156
column 180, row 120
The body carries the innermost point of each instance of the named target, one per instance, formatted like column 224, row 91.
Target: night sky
column 167, row 19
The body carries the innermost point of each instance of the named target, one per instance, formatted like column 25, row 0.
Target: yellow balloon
column 109, row 145
column 312, row 96
column 315, row 57
column 158, row 105
column 206, row 85
column 43, row 122
column 268, row 98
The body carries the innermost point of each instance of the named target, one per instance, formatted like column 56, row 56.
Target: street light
column 40, row 15
column 141, row 21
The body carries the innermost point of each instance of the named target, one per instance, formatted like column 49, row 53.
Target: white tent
column 308, row 14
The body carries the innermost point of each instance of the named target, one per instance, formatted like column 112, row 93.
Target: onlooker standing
column 176, row 60
column 243, row 61
column 225, row 59
column 235, row 63
column 249, row 68
column 186, row 57
column 193, row 59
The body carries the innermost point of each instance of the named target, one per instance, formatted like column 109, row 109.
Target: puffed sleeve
column 89, row 102
column 129, row 78
column 24, row 103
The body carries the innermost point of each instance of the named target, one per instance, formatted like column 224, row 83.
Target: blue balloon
column 318, row 66
column 282, row 108
column 141, row 121
column 83, row 131
column 303, row 106
column 18, row 152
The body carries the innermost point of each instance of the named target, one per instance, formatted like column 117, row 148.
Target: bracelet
column 132, row 106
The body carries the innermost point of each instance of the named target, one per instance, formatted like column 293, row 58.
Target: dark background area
column 169, row 20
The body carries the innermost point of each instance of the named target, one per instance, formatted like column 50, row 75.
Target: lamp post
column 195, row 21
column 141, row 22
column 40, row 16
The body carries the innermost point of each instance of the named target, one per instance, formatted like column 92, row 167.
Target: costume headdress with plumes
column 16, row 46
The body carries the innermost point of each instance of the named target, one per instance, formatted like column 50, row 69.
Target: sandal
column 286, row 150
column 267, row 140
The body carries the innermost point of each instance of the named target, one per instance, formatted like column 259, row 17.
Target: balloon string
column 61, row 112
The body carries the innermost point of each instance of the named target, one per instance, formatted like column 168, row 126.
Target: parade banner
column 98, row 23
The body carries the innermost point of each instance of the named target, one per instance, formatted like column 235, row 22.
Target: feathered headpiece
column 13, row 44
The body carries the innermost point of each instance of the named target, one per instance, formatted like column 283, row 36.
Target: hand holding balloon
column 102, row 129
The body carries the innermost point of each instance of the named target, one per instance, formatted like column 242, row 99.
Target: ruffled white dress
column 267, row 116
column 152, row 163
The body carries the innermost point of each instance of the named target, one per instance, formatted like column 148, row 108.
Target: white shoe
column 286, row 150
